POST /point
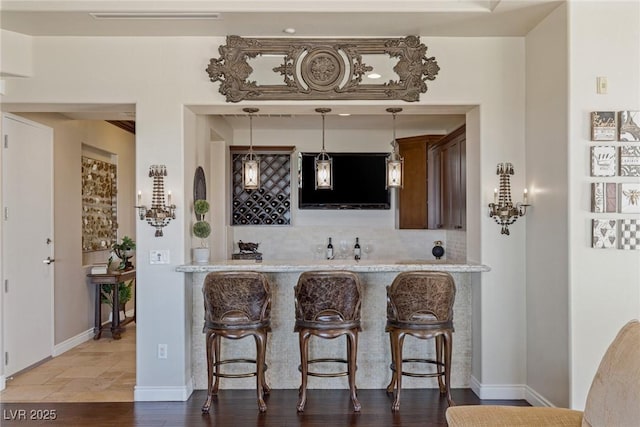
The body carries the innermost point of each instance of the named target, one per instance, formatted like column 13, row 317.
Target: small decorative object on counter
column 437, row 250
column 357, row 252
column 248, row 250
column 330, row 249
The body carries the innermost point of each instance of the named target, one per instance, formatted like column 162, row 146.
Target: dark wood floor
column 237, row 408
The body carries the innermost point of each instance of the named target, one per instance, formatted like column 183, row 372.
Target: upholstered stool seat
column 236, row 305
column 420, row 304
column 328, row 305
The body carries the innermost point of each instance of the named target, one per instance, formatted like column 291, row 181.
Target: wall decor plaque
column 603, row 160
column 605, row 233
column 630, row 197
column 604, row 197
column 302, row 69
column 630, row 160
column 629, row 126
column 630, row 234
column 603, row 126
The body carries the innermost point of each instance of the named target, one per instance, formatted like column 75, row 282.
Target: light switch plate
column 159, row 256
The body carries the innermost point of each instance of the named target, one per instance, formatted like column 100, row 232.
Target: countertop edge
column 362, row 267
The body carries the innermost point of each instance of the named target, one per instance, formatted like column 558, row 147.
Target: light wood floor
column 95, row 371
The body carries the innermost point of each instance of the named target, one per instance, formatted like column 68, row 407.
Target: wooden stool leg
column 207, row 403
column 399, row 342
column 439, row 365
column 304, row 366
column 265, row 387
column 260, row 338
column 448, row 348
column 352, row 352
column 216, row 350
column 392, row 384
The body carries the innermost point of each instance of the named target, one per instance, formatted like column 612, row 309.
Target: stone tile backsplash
column 295, row 243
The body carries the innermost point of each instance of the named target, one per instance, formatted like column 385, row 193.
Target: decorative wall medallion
column 322, row 68
column 630, row 234
column 603, row 126
column 604, row 233
column 630, row 160
column 603, row 160
column 629, row 197
column 603, row 197
column 629, row 126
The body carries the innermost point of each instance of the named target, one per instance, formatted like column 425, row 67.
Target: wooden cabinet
column 448, row 174
column 434, row 193
column 413, row 198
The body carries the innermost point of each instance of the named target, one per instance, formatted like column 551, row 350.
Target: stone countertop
column 363, row 266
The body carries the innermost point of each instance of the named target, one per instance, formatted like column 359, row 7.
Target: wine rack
column 271, row 203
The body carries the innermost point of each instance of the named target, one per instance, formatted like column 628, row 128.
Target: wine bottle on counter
column 357, row 252
column 329, row 250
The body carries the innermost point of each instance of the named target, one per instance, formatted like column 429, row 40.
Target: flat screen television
column 359, row 181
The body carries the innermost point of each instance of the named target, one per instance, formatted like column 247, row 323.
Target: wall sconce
column 395, row 163
column 323, row 163
column 250, row 162
column 159, row 214
column 502, row 210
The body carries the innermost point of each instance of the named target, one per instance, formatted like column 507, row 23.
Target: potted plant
column 125, row 292
column 201, row 229
column 124, row 250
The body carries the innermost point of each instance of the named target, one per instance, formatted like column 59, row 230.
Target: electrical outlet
column 162, row 351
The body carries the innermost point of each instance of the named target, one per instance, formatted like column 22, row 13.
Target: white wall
column 604, row 40
column 17, row 54
column 547, row 229
column 163, row 75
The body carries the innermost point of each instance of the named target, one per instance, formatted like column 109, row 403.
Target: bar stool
column 237, row 304
column 420, row 304
column 328, row 305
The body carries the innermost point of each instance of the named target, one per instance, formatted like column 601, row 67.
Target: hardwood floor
column 238, row 408
column 72, row 390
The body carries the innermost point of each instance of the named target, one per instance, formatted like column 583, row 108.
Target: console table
column 113, row 278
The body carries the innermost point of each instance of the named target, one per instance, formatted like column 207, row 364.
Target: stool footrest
column 420, row 375
column 230, row 361
column 326, row 374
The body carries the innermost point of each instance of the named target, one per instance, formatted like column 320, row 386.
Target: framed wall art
column 630, row 234
column 603, row 126
column 604, row 197
column 629, row 126
column 99, row 204
column 630, row 197
column 605, row 233
column 603, row 160
column 630, row 160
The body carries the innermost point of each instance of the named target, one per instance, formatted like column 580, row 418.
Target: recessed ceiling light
column 155, row 15
column 344, row 114
column 289, row 30
column 374, row 75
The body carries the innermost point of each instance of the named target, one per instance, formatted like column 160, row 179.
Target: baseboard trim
column 3, row 383
column 497, row 391
column 72, row 342
column 536, row 399
column 162, row 394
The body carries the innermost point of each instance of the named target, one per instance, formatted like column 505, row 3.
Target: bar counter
column 374, row 354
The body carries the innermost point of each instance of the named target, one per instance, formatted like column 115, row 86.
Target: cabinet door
column 413, row 196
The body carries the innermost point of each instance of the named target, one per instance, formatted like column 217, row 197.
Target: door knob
column 49, row 260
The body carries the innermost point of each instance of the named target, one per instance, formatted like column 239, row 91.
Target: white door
column 27, row 244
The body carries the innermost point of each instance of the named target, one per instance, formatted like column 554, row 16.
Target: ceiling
column 269, row 18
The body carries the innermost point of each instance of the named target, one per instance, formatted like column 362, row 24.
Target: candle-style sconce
column 159, row 214
column 502, row 210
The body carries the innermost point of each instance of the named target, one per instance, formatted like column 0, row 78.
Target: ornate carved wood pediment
column 321, row 69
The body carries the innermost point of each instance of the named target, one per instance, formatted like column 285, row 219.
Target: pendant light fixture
column 395, row 163
column 250, row 162
column 324, row 163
